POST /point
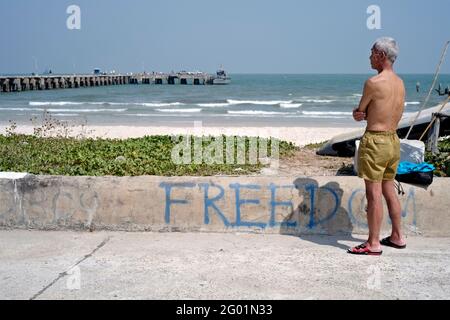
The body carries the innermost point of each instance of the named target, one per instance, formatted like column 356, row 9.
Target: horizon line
column 249, row 73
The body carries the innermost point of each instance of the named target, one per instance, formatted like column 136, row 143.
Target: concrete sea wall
column 287, row 205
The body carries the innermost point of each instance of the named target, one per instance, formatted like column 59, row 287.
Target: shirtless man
column 382, row 106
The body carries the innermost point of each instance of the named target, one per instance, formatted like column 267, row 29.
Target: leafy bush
column 442, row 160
column 314, row 146
column 150, row 155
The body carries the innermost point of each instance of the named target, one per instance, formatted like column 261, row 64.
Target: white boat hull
column 221, row 81
column 343, row 145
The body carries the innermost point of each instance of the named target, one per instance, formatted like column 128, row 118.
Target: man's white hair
column 388, row 46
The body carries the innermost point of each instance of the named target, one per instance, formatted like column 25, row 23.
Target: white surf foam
column 138, row 114
column 180, row 110
column 64, row 110
column 327, row 113
column 22, row 109
column 258, row 102
column 54, row 103
column 290, row 105
column 160, row 104
column 86, row 110
column 256, row 112
column 214, row 104
column 76, row 103
column 319, row 101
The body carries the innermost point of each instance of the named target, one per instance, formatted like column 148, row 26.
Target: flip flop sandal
column 363, row 250
column 387, row 242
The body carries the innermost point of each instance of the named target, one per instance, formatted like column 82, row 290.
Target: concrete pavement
column 121, row 265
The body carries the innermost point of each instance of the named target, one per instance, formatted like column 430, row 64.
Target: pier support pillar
column 16, row 85
column 32, row 84
column 5, row 85
column 171, row 80
column 25, row 84
column 41, row 83
column 62, row 83
column 71, row 82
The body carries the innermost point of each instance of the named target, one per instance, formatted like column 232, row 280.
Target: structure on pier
column 172, row 78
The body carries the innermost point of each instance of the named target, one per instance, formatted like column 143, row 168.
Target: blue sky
column 246, row 36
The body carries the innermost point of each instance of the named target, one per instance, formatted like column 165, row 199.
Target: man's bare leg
column 374, row 213
column 395, row 212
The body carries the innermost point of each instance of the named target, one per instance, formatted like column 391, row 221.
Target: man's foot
column 394, row 244
column 365, row 249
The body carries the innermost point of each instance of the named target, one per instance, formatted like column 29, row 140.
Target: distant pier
column 185, row 78
column 49, row 82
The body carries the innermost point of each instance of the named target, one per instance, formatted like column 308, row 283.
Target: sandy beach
column 300, row 136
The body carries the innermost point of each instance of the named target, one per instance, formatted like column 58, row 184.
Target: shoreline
column 300, row 135
column 188, row 121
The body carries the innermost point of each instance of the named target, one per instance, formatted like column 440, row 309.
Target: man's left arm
column 359, row 113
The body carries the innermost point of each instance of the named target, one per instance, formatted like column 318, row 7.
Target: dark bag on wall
column 420, row 178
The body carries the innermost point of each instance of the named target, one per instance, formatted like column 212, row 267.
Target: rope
column 434, row 118
column 431, row 89
column 399, row 188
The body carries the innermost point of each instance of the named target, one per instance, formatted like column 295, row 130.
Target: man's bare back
column 383, row 101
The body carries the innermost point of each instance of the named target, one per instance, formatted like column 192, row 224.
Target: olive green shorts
column 378, row 156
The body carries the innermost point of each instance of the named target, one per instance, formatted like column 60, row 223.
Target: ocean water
column 271, row 100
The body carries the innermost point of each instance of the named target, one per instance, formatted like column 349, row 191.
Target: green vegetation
column 313, row 146
column 150, row 155
column 442, row 160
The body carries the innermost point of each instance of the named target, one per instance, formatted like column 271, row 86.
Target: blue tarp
column 408, row 167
